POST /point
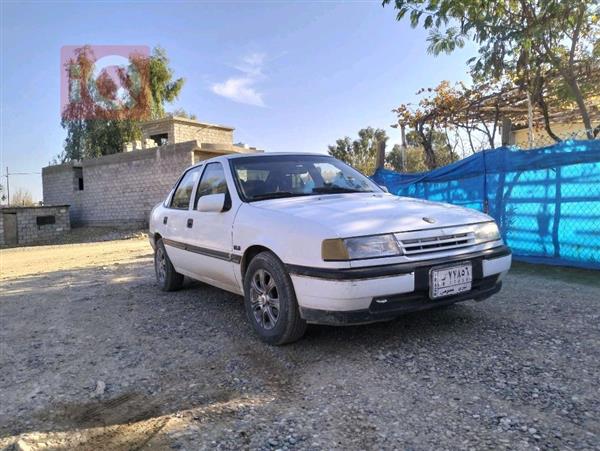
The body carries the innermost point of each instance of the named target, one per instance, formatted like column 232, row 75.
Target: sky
column 289, row 76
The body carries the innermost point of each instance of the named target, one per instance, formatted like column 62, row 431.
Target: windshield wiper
column 337, row 189
column 276, row 194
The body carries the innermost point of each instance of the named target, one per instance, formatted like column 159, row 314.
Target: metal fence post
column 486, row 202
column 506, row 131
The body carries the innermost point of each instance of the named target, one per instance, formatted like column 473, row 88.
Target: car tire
column 167, row 278
column 270, row 301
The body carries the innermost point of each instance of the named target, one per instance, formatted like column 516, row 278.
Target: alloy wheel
column 264, row 298
column 160, row 264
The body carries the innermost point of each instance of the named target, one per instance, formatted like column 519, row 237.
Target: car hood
column 365, row 213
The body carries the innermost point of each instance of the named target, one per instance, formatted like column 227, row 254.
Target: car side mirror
column 383, row 187
column 211, row 203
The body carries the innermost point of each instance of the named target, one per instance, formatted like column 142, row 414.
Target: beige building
column 520, row 135
column 174, row 130
column 121, row 189
column 564, row 124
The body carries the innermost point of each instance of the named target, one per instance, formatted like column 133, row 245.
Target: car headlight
column 487, row 231
column 360, row 247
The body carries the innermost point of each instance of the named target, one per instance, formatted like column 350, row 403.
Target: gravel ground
column 94, row 356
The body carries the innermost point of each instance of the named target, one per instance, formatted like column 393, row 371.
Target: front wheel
column 167, row 278
column 270, row 301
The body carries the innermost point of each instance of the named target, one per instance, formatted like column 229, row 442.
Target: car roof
column 234, row 156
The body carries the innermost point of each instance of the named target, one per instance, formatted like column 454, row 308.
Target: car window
column 212, row 182
column 246, row 175
column 335, row 176
column 264, row 177
column 183, row 192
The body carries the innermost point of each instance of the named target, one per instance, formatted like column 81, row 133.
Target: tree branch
column 576, row 34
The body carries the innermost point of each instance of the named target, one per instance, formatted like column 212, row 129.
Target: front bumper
column 364, row 295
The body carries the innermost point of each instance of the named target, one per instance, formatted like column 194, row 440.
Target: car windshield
column 271, row 177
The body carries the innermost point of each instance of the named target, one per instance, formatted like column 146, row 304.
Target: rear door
column 210, row 233
column 175, row 219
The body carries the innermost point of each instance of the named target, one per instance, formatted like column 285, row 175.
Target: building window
column 80, row 183
column 161, row 139
column 45, row 220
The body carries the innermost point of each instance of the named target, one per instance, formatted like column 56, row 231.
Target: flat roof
column 5, row 208
column 185, row 120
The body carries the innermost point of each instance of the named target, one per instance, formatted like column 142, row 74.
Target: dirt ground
column 94, row 356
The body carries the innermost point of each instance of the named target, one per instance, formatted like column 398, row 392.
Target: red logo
column 105, row 82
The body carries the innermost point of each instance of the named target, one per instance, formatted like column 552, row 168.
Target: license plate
column 450, row 280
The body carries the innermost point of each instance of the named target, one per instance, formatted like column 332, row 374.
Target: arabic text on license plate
column 450, row 280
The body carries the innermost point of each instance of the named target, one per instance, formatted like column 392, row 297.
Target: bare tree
column 22, row 198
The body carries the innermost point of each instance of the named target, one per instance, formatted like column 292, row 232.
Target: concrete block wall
column 122, row 189
column 181, row 130
column 60, row 184
column 203, row 132
column 156, row 128
column 29, row 232
column 2, row 242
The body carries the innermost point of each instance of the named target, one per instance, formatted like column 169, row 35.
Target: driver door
column 209, row 233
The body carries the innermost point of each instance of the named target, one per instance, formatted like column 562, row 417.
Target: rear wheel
column 167, row 278
column 270, row 301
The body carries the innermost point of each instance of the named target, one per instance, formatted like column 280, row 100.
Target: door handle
column 190, row 223
column 165, row 219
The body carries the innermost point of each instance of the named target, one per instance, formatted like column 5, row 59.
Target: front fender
column 294, row 241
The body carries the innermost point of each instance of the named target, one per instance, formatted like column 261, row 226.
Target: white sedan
column 306, row 238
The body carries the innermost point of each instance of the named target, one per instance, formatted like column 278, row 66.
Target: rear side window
column 212, row 182
column 183, row 192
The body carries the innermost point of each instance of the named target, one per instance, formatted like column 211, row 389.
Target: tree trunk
column 426, row 141
column 571, row 81
column 547, row 127
column 489, row 135
column 430, row 159
column 471, row 141
column 569, row 75
column 380, row 154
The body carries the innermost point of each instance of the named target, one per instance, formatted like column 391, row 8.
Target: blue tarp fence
column 545, row 200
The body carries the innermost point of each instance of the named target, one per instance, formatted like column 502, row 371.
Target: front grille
column 436, row 243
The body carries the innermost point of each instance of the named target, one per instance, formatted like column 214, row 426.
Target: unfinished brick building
column 121, row 189
column 31, row 225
